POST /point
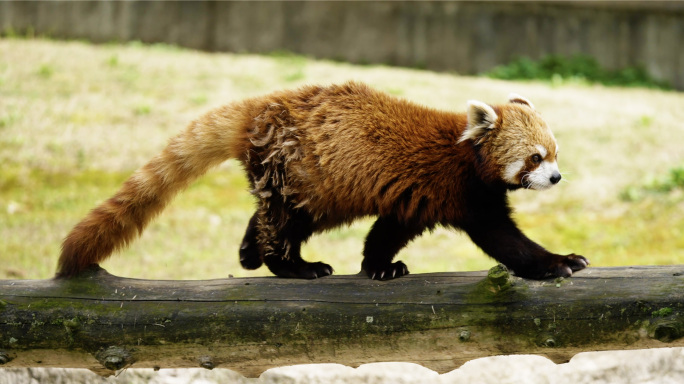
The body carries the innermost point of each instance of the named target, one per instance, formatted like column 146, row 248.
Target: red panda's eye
column 536, row 158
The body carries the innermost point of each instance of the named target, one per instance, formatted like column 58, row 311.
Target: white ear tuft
column 515, row 98
column 481, row 117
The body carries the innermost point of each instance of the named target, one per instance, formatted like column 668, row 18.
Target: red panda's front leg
column 385, row 239
column 501, row 239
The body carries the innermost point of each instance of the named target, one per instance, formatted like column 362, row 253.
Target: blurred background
column 467, row 37
column 89, row 91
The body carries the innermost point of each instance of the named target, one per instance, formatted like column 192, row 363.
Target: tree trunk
column 439, row 320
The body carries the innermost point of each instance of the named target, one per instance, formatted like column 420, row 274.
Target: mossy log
column 439, row 320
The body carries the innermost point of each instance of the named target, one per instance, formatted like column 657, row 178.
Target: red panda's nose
column 555, row 178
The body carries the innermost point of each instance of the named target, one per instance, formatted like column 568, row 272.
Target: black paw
column 315, row 270
column 552, row 266
column 386, row 272
column 303, row 270
column 564, row 266
column 249, row 255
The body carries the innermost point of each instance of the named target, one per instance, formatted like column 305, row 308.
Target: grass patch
column 45, row 71
column 36, row 206
column 579, row 68
column 671, row 184
column 292, row 65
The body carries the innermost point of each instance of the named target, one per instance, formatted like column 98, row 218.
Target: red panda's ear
column 481, row 118
column 515, row 98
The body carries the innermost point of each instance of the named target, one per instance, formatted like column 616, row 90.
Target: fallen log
column 439, row 320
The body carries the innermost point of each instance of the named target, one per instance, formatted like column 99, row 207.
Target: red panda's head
column 515, row 143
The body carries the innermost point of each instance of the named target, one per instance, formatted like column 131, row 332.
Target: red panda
column 319, row 157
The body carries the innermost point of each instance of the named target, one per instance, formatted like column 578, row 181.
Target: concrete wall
column 462, row 36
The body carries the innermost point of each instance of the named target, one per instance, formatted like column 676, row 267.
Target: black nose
column 555, row 178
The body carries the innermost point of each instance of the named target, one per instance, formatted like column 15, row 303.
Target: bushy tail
column 207, row 142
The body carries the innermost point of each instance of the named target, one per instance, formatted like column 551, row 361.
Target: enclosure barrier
column 439, row 320
column 469, row 37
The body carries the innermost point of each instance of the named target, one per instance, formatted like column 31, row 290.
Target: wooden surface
column 440, row 320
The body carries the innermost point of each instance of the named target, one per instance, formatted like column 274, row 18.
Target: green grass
column 76, row 120
column 578, row 68
column 670, row 186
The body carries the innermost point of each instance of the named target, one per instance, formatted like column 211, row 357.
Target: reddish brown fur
column 318, row 157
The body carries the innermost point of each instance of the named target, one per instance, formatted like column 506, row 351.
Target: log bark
column 439, row 320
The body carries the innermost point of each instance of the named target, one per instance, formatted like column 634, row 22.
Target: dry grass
column 77, row 119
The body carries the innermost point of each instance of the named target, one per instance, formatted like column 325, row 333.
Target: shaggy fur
column 320, row 157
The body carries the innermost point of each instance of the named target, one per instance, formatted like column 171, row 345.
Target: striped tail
column 206, row 143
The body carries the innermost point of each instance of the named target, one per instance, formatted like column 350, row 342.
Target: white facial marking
column 512, row 170
column 542, row 151
column 540, row 178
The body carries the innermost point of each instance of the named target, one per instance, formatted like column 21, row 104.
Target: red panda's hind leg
column 250, row 254
column 280, row 234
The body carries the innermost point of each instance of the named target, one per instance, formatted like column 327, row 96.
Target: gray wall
column 466, row 37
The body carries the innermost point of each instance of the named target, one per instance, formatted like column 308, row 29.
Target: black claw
column 576, row 262
column 566, row 265
column 565, row 271
column 579, row 263
column 387, row 272
column 320, row 269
